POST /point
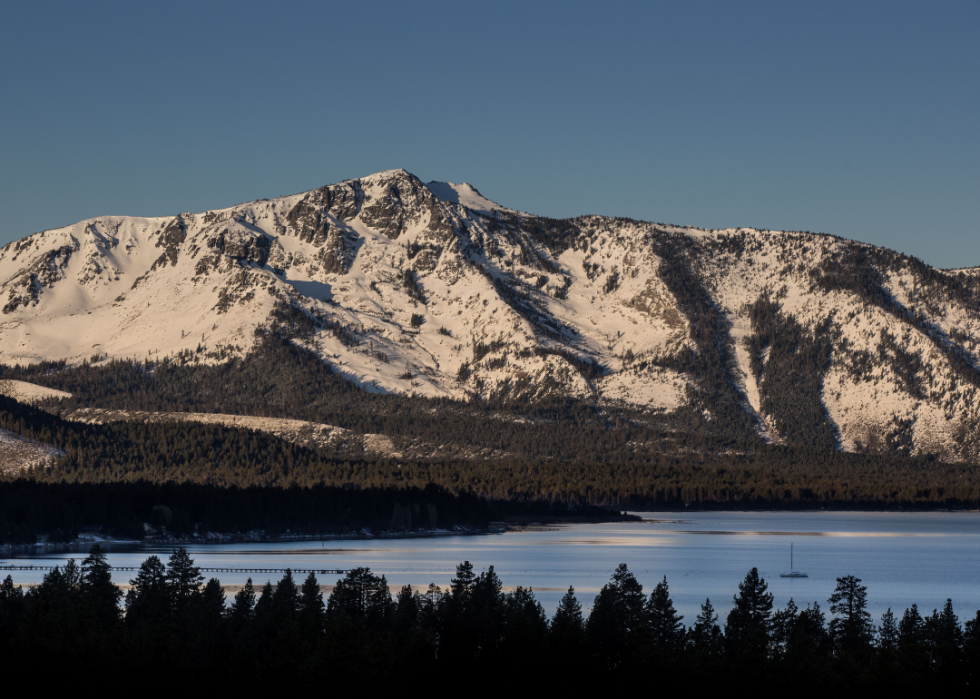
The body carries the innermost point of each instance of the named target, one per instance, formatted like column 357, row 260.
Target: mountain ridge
column 432, row 290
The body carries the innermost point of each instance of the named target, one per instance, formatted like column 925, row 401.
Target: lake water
column 901, row 557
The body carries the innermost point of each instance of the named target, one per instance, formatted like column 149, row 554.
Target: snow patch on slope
column 463, row 194
column 18, row 454
column 656, row 388
column 25, row 392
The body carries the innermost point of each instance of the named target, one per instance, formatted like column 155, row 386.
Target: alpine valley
column 386, row 317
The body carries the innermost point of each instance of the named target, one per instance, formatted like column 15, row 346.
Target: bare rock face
column 334, row 243
column 434, row 290
column 170, row 240
column 25, row 288
column 398, row 200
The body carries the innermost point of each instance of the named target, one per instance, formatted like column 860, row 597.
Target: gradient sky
column 860, row 119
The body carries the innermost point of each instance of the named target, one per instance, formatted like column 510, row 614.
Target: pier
column 203, row 569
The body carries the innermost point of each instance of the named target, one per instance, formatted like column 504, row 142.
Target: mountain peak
column 389, row 174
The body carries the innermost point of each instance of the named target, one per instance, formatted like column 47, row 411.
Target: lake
column 902, row 558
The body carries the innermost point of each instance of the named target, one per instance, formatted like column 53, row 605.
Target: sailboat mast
column 792, row 567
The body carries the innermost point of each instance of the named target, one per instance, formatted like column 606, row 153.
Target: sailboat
column 792, row 573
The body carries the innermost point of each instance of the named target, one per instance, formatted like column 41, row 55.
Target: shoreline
column 219, row 538
column 513, row 524
column 516, row 523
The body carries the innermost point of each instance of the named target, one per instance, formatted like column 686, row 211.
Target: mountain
column 433, row 291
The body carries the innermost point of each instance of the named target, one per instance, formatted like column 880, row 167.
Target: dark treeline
column 30, row 508
column 171, row 624
column 210, row 455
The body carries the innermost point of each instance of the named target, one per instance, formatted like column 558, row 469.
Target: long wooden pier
column 203, row 569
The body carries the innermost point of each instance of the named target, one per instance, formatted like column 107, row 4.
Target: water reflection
column 713, row 532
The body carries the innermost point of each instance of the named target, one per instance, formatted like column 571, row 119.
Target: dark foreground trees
column 177, row 630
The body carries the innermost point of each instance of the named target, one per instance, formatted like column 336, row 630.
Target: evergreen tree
column 58, row 586
column 213, row 600
column 205, row 640
column 747, row 630
column 460, row 637
column 851, row 629
column 148, row 598
column 56, row 617
column 461, row 586
column 486, row 591
column 413, row 627
column 312, row 608
column 430, row 607
column 407, row 609
column 945, row 640
column 351, row 594
column 888, row 632
column 380, row 609
column 243, row 608
column 910, row 628
column 11, row 609
column 487, row 613
column 804, row 644
column 971, row 651
column 568, row 626
column 705, row 636
column 525, row 625
column 183, row 578
column 887, row 666
column 97, row 589
column 810, row 631
column 72, row 575
column 285, row 600
column 9, row 593
column 912, row 643
column 567, row 634
column 783, row 625
column 618, row 617
column 665, row 622
column 264, row 606
column 630, row 600
column 605, row 632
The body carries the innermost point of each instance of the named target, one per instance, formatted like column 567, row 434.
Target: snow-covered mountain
column 434, row 290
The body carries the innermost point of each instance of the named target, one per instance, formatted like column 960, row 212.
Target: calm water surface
column 902, row 558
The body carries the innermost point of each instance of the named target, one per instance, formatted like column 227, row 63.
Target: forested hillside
column 217, row 458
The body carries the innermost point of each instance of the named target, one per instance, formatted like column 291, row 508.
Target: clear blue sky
column 855, row 118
